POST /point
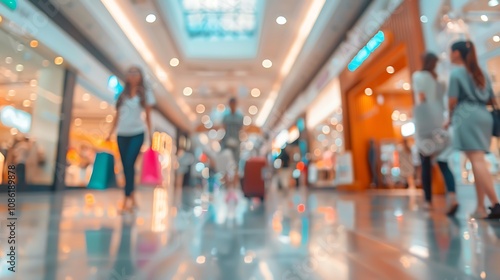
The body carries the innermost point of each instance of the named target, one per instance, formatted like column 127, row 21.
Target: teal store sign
column 11, row 4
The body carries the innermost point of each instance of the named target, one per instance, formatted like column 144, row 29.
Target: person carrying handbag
column 469, row 92
column 131, row 128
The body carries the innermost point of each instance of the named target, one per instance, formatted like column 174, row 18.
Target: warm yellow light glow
column 187, row 91
column 58, row 60
column 368, row 91
column 200, row 108
column 34, row 43
column 255, row 92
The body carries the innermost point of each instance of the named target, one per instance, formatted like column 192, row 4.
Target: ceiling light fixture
column 406, row 86
column 34, row 43
column 151, row 18
column 103, row 105
column 187, row 91
column 26, row 103
column 86, row 97
column 12, row 92
column 19, row 68
column 253, row 110
column 424, row 19
column 493, row 3
column 390, row 69
column 255, row 92
column 484, row 18
column 496, row 38
column 281, row 20
column 174, row 62
column 247, row 120
column 33, row 83
column 304, row 30
column 368, row 91
column 58, row 60
column 267, row 63
column 78, row 122
column 33, row 96
column 8, row 60
column 200, row 108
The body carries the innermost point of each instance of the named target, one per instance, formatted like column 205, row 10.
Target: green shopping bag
column 103, row 173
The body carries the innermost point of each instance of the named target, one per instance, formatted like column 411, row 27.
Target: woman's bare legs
column 483, row 180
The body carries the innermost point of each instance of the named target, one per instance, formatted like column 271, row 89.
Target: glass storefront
column 31, row 93
column 327, row 142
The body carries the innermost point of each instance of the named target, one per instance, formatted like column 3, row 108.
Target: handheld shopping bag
column 151, row 169
column 103, row 174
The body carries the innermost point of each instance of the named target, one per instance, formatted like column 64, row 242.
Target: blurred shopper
column 184, row 160
column 469, row 92
column 130, row 127
column 285, row 171
column 429, row 111
column 406, row 166
column 233, row 123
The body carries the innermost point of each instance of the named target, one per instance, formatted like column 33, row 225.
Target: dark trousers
column 427, row 177
column 448, row 176
column 129, row 147
column 21, row 175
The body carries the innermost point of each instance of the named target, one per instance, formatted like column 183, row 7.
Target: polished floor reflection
column 185, row 234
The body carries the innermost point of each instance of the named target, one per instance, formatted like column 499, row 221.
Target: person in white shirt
column 430, row 135
column 131, row 127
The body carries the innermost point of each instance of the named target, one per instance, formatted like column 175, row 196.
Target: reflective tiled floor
column 299, row 235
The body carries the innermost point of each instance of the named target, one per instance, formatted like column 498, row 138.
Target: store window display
column 31, row 92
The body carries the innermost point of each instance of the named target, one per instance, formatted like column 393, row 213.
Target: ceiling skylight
column 220, row 19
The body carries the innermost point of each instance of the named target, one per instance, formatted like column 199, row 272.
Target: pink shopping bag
column 151, row 168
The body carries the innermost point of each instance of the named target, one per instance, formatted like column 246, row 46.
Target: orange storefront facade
column 377, row 100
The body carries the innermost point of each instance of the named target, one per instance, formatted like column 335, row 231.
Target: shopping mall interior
column 249, row 139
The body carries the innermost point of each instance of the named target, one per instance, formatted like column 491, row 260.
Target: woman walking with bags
column 429, row 115
column 469, row 92
column 130, row 128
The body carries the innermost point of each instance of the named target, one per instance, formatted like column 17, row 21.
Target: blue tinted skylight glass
column 220, row 19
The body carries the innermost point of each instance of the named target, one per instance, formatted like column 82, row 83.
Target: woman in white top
column 430, row 137
column 130, row 127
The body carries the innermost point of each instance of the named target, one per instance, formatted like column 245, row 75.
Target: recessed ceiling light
column 151, row 18
column 493, row 3
column 58, row 60
column 109, row 118
column 103, row 105
column 78, row 121
column 33, row 96
column 200, row 108
column 26, row 103
column 253, row 110
column 1, row 19
column 187, row 91
column 368, row 91
column 34, row 43
column 8, row 60
column 496, row 38
column 267, row 63
column 19, row 67
column 280, row 20
column 12, row 92
column 20, row 47
column 484, row 18
column 33, row 83
column 390, row 69
column 406, row 86
column 205, row 119
column 424, row 19
column 174, row 62
column 255, row 92
column 86, row 97
column 247, row 120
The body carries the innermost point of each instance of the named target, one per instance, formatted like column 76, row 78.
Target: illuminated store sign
column 18, row 119
column 11, row 4
column 366, row 51
column 114, row 85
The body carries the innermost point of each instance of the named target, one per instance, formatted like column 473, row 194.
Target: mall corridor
column 249, row 139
